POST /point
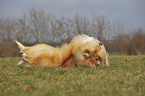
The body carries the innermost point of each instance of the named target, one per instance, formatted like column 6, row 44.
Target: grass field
column 124, row 77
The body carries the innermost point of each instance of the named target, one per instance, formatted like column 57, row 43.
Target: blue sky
column 130, row 12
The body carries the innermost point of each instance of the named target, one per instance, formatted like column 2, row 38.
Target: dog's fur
column 81, row 51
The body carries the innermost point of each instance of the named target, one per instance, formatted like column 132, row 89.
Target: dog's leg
column 35, row 60
column 27, row 58
column 23, row 63
column 22, row 47
column 20, row 63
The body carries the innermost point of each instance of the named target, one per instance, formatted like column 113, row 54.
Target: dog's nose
column 97, row 64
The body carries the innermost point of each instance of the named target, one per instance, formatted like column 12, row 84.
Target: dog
column 83, row 50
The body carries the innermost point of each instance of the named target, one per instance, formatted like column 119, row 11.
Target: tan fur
column 50, row 57
column 72, row 54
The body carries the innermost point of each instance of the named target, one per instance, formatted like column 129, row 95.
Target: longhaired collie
column 83, row 50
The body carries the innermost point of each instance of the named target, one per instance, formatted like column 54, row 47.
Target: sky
column 129, row 12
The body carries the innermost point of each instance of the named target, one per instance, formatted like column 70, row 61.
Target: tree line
column 38, row 27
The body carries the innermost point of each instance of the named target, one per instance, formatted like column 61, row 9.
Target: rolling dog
column 81, row 51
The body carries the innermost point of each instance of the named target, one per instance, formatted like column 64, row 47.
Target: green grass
column 124, row 77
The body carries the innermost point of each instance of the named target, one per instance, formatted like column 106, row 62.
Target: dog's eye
column 97, row 56
column 97, row 59
column 87, row 51
column 86, row 55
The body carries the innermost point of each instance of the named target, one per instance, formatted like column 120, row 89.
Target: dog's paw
column 25, row 57
column 21, row 52
column 24, row 54
column 20, row 63
column 23, row 64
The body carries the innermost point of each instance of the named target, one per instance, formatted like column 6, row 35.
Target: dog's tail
column 21, row 46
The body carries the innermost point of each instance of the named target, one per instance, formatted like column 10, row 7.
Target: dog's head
column 88, row 56
column 91, row 58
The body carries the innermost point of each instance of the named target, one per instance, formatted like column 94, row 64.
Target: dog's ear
column 21, row 46
column 98, row 47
